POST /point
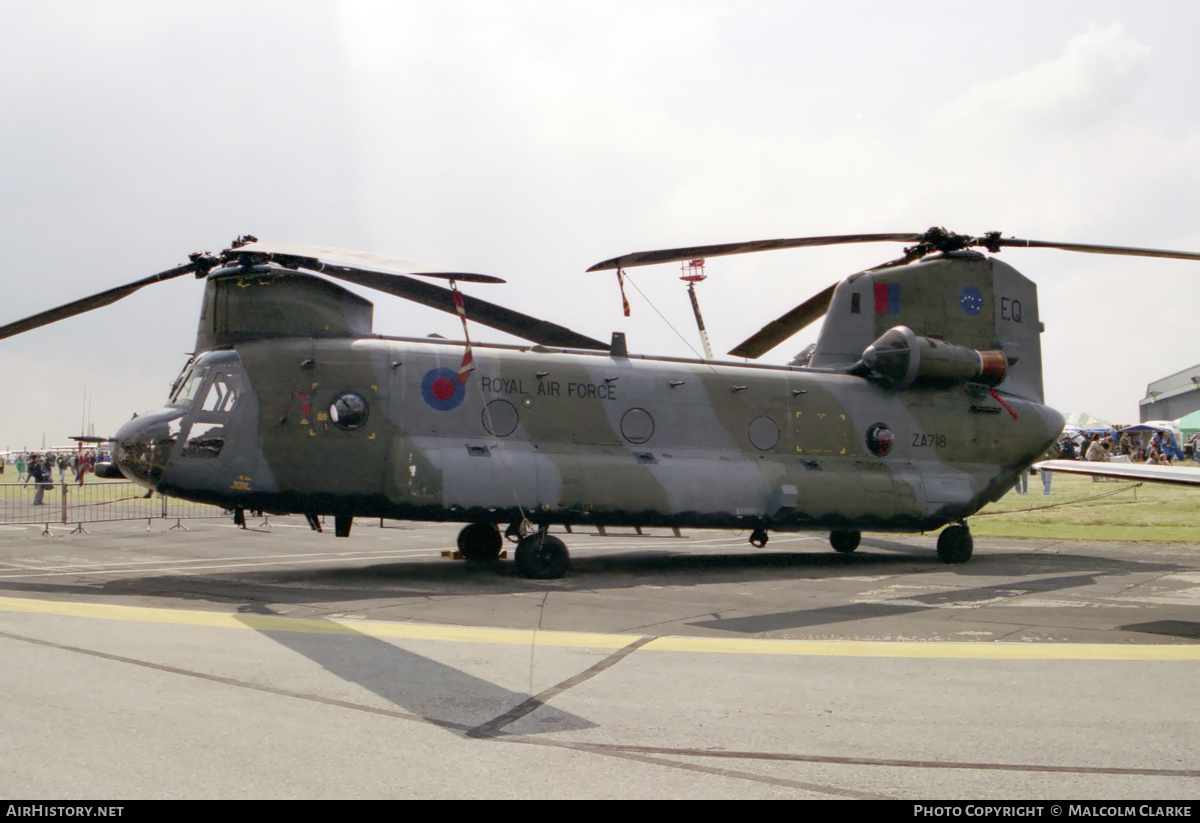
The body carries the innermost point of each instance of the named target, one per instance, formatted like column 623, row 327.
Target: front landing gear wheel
column 759, row 538
column 844, row 541
column 479, row 543
column 541, row 556
column 955, row 544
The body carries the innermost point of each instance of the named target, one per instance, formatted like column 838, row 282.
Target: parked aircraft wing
column 1178, row 475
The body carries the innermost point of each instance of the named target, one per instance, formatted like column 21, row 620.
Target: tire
column 955, row 544
column 844, row 541
column 541, row 556
column 480, row 543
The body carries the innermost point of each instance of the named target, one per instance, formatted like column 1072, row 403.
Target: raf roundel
column 441, row 389
column 971, row 300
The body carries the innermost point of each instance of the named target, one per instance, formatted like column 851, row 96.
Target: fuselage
column 383, row 427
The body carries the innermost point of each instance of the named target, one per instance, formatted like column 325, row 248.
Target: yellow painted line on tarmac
column 277, row 623
column 596, row 640
column 925, row 650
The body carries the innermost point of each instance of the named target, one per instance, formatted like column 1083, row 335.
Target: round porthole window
column 348, row 411
column 880, row 440
column 500, row 418
column 637, row 426
column 764, row 433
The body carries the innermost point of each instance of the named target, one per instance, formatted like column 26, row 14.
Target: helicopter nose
column 145, row 443
column 1054, row 421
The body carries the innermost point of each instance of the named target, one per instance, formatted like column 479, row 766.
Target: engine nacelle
column 903, row 359
column 108, row 471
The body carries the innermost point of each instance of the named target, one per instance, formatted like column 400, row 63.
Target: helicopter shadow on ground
column 1166, row 628
column 907, row 604
column 1028, row 573
column 425, row 578
column 422, row 687
column 361, row 587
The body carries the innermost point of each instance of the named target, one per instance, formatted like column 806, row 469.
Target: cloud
column 1088, row 85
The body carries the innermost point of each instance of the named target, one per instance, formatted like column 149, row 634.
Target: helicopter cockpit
column 191, row 426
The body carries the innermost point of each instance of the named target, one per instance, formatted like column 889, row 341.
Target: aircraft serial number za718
column 929, row 440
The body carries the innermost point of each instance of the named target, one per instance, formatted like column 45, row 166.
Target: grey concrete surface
column 279, row 663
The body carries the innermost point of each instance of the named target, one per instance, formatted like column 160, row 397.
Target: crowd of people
column 39, row 468
column 1160, row 449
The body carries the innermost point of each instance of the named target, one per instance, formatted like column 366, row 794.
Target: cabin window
column 500, row 418
column 348, row 411
column 880, row 440
column 637, row 426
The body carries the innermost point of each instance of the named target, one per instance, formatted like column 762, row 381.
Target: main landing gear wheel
column 844, row 541
column 955, row 544
column 480, row 543
column 542, row 556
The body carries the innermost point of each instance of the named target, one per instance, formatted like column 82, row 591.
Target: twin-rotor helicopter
column 920, row 403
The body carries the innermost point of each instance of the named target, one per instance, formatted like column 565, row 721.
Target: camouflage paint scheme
column 584, row 437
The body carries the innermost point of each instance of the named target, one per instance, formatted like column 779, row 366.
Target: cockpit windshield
column 186, row 393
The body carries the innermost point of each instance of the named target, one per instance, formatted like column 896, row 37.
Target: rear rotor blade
column 647, row 258
column 779, row 330
column 1129, row 251
column 478, row 311
column 104, row 298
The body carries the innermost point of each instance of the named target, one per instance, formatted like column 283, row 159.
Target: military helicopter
column 920, row 403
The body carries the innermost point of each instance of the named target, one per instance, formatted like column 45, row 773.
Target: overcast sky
column 532, row 139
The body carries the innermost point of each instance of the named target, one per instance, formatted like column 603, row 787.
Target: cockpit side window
column 206, row 432
column 222, row 393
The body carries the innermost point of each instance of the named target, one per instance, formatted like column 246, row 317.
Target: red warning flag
column 621, row 283
column 468, row 361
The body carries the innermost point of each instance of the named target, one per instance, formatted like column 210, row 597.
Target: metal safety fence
column 66, row 503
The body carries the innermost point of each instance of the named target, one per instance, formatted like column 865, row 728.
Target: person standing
column 1022, row 482
column 42, row 479
column 1066, row 448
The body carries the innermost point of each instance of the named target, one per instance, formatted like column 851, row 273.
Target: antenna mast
column 693, row 273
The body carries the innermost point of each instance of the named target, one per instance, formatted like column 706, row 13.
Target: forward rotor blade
column 478, row 311
column 647, row 258
column 779, row 330
column 96, row 301
column 328, row 260
column 1129, row 251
